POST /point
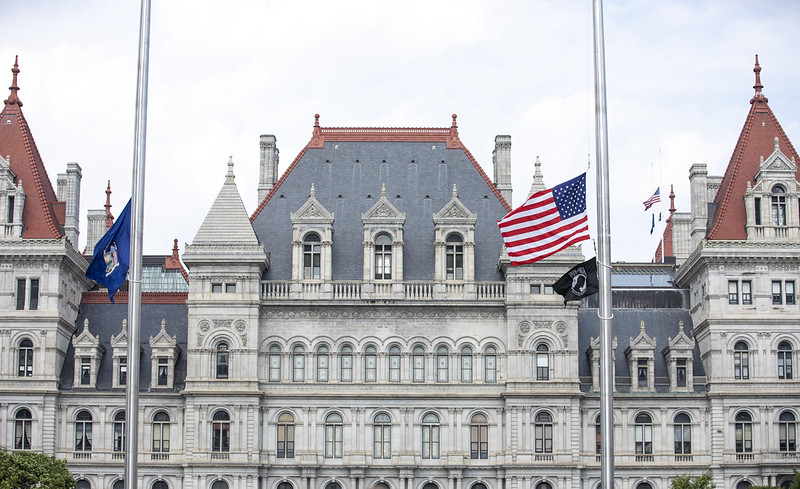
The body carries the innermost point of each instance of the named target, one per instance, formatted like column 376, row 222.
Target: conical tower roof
column 227, row 223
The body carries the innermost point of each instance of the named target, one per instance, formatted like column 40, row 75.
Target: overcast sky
column 679, row 79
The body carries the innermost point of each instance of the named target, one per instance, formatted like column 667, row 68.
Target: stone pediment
column 312, row 211
column 642, row 342
column 383, row 212
column 162, row 339
column 776, row 166
column 85, row 338
column 455, row 212
column 681, row 341
column 121, row 340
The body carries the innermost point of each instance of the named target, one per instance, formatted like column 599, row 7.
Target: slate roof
column 348, row 167
column 757, row 139
column 16, row 141
column 227, row 221
column 106, row 320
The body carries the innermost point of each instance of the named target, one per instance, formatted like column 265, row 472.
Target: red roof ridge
column 379, row 134
column 173, row 262
column 121, row 297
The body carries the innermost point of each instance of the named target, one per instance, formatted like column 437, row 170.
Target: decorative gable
column 641, row 361
column 119, row 346
column 88, row 353
column 312, row 226
column 12, row 201
column 593, row 354
column 771, row 201
column 312, row 212
column 383, row 248
column 164, row 355
column 454, row 241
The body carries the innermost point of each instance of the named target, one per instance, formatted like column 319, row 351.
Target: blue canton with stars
column 570, row 197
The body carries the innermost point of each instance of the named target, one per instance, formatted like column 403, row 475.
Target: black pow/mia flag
column 581, row 281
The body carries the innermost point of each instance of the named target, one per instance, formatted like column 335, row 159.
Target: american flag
column 655, row 198
column 549, row 221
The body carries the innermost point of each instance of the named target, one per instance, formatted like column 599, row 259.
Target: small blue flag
column 109, row 266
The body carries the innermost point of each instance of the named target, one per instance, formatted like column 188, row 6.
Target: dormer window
column 383, row 257
column 454, row 256
column 312, row 256
column 778, row 206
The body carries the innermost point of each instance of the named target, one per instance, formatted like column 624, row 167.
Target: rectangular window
column 21, row 282
column 758, row 210
column 681, row 372
column 777, row 295
column 641, row 364
column 419, row 368
column 86, row 370
column 788, row 288
column 123, row 371
column 34, row 300
column 747, row 294
column 230, row 288
column 394, row 368
column 536, row 289
column 216, row 288
column 10, row 218
column 548, row 289
column 163, row 370
column 733, row 292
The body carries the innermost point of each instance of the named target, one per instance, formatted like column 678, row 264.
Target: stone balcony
column 285, row 290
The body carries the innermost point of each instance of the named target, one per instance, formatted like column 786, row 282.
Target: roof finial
column 454, row 125
column 671, row 201
column 313, row 193
column 109, row 216
column 175, row 248
column 383, row 191
column 229, row 177
column 758, row 86
column 455, row 191
column 13, row 98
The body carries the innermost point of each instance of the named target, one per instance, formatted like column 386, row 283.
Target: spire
column 109, row 216
column 758, row 86
column 671, row 201
column 13, row 98
column 538, row 178
column 229, row 177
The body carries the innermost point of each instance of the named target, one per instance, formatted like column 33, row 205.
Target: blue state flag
column 109, row 266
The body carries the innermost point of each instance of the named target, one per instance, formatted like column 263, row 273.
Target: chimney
column 501, row 158
column 95, row 228
column 698, row 182
column 268, row 168
column 69, row 192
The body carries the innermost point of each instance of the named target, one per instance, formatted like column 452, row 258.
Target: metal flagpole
column 135, row 270
column 604, row 255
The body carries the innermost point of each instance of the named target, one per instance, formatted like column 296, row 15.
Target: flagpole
column 135, row 271
column 604, row 255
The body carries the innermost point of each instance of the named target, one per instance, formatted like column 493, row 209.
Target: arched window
column 159, row 485
column 25, row 357
column 454, row 257
column 542, row 362
column 787, row 432
column 442, row 367
column 382, row 436
column 644, row 434
column 82, row 484
column 466, row 364
column 219, row 484
column 430, row 436
column 222, row 361
column 644, row 485
column 221, row 432
column 312, row 256
column 118, row 484
column 430, row 485
column 785, row 360
column 490, row 365
column 383, row 257
column 370, row 364
column 394, row 364
column 323, row 358
column 778, row 206
column 544, row 485
column 741, row 360
column 275, row 363
column 346, row 364
column 598, row 436
column 83, row 431
column 22, row 430
column 543, row 432
column 479, row 485
column 298, row 364
column 119, row 431
column 285, row 485
column 744, row 485
column 381, row 485
column 161, row 427
column 285, row 437
column 479, row 437
column 744, row 432
column 333, row 436
column 333, row 485
column 419, row 364
column 683, row 434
